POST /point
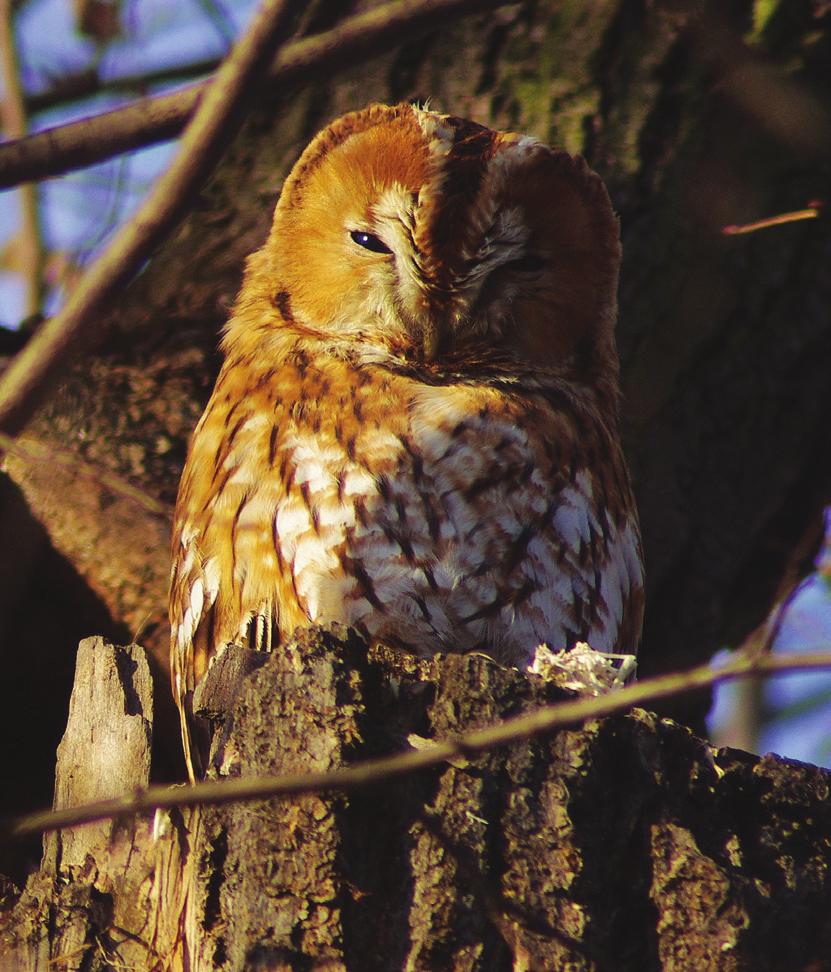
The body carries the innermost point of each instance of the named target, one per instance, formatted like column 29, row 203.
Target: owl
column 415, row 428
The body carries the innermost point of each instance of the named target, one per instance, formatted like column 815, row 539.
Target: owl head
column 408, row 233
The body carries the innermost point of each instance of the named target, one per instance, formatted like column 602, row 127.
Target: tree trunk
column 626, row 844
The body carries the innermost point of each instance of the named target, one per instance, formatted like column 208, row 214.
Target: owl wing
column 205, row 583
column 193, row 595
column 227, row 583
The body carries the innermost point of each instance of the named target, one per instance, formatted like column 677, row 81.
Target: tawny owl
column 414, row 431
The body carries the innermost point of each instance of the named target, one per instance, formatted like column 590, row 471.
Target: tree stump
column 625, row 844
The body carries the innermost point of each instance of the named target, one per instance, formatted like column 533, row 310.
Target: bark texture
column 626, row 844
column 697, row 114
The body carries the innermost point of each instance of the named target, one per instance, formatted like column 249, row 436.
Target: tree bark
column 627, row 844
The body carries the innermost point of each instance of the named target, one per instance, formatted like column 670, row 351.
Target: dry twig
column 518, row 729
column 70, row 88
column 813, row 209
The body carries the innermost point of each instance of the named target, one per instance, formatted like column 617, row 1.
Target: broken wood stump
column 624, row 844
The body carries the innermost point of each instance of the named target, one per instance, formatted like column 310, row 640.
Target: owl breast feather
column 434, row 518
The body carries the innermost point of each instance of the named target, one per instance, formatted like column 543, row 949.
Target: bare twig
column 522, row 727
column 221, row 110
column 35, row 452
column 811, row 211
column 72, row 146
column 29, row 245
column 83, row 84
column 77, row 144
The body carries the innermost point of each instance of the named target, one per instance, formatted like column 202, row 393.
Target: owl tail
column 193, row 756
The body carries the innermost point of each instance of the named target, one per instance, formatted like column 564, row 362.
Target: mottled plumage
column 415, row 428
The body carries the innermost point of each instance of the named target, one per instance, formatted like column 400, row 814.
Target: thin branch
column 64, row 148
column 81, row 143
column 811, row 211
column 32, row 452
column 514, row 730
column 89, row 82
column 29, row 242
column 220, row 112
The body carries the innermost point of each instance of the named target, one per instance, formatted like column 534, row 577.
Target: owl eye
column 369, row 242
